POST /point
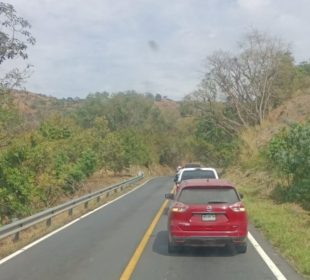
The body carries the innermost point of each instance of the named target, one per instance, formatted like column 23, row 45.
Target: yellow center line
column 139, row 250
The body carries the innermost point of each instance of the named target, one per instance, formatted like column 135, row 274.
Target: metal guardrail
column 47, row 215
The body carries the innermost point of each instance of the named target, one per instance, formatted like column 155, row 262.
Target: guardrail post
column 49, row 222
column 98, row 199
column 16, row 236
column 86, row 204
column 107, row 195
column 70, row 212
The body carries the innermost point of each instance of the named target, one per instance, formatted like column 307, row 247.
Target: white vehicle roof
column 197, row 173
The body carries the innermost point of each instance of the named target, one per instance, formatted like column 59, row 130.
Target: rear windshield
column 198, row 174
column 210, row 195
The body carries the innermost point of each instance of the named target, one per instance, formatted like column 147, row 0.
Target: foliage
column 114, row 153
column 88, row 162
column 157, row 97
column 72, row 138
column 239, row 90
column 14, row 40
column 135, row 148
column 302, row 76
column 304, row 67
column 213, row 144
column 16, row 184
column 139, row 128
column 41, row 166
column 10, row 122
column 289, row 151
column 121, row 110
column 55, row 129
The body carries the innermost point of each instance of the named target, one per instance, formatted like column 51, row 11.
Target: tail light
column 179, row 208
column 237, row 207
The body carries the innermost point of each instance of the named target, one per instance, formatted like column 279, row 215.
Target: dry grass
column 285, row 225
column 295, row 110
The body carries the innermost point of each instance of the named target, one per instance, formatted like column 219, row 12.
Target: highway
column 101, row 246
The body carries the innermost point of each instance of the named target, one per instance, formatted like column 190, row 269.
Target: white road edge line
column 274, row 269
column 5, row 259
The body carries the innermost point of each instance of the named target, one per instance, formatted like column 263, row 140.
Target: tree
column 158, row 97
column 213, row 144
column 114, row 153
column 302, row 75
column 10, row 120
column 289, row 153
column 14, row 40
column 136, row 151
column 304, row 67
column 249, row 83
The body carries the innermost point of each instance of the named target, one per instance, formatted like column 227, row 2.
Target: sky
column 155, row 46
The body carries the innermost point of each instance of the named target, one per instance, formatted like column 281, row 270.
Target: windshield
column 206, row 196
column 198, row 174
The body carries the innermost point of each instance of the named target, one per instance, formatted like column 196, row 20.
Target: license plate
column 208, row 217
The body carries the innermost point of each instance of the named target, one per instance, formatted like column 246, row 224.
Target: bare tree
column 247, row 83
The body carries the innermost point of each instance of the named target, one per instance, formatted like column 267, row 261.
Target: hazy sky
column 156, row 46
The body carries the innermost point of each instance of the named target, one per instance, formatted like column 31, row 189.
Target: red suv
column 207, row 212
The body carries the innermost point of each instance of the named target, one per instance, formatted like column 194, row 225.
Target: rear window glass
column 210, row 195
column 198, row 174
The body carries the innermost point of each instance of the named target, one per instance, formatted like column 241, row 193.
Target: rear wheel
column 232, row 249
column 172, row 249
column 241, row 248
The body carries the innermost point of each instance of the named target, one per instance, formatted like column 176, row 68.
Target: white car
column 195, row 173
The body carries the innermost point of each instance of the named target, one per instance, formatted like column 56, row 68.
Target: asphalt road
column 100, row 246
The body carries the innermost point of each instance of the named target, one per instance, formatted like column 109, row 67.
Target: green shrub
column 88, row 162
column 289, row 151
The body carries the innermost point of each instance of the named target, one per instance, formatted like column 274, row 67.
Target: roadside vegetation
column 249, row 116
column 258, row 102
column 275, row 192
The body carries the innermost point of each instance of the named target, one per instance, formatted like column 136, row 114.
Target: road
column 101, row 245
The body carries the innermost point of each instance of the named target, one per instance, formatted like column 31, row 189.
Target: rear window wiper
column 217, row 202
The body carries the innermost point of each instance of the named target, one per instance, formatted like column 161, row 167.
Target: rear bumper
column 207, row 238
column 206, row 241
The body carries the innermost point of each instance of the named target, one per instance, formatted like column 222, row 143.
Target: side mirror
column 241, row 195
column 169, row 196
column 175, row 178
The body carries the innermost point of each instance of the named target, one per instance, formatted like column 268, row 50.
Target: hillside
column 112, row 136
column 168, row 105
column 285, row 223
column 34, row 107
column 294, row 110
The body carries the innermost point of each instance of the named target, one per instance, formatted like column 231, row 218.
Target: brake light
column 179, row 208
column 237, row 207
